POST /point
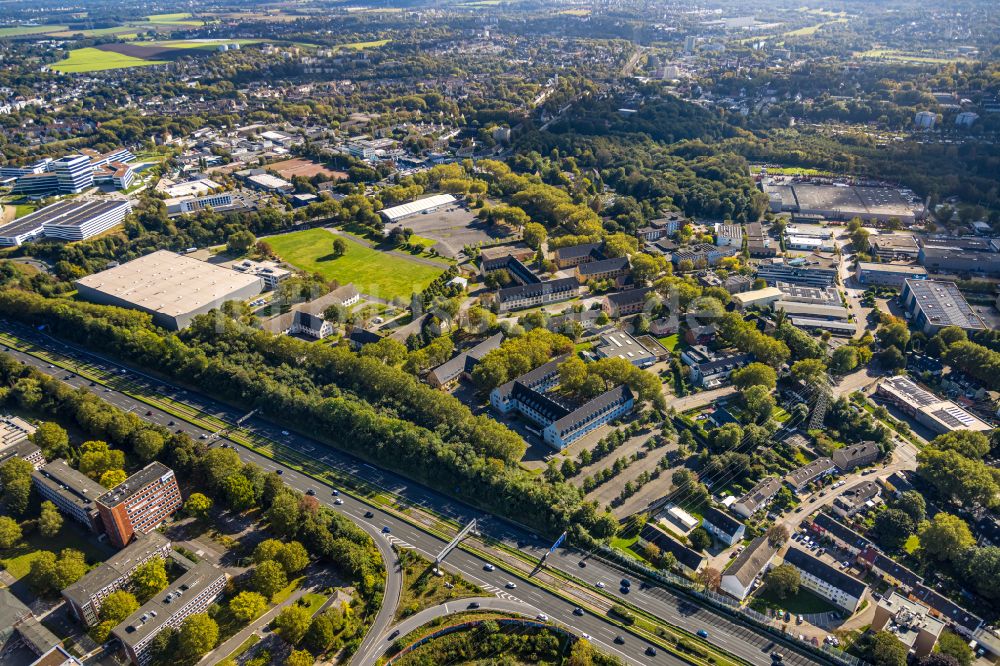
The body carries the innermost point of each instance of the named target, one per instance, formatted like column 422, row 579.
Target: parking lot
column 453, row 227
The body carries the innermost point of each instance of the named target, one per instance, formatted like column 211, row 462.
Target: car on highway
column 489, row 567
column 311, row 492
column 577, row 611
column 511, row 585
column 338, row 501
column 651, row 651
column 202, row 436
column 369, row 514
column 542, row 617
column 170, row 423
column 386, row 530
column 585, row 636
column 702, row 633
column 474, row 604
column 777, row 657
column 600, row 584
column 393, row 635
column 335, row 492
column 626, row 582
column 149, row 412
column 619, row 639
column 51, row 366
column 285, row 433
column 582, row 564
column 279, row 472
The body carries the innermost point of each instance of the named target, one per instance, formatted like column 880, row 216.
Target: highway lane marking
column 501, row 594
column 396, row 541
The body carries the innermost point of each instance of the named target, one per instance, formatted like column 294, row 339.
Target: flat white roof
column 169, row 283
column 757, row 295
column 267, row 180
column 403, row 210
column 191, row 188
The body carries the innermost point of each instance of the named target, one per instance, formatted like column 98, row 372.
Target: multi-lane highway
column 724, row 632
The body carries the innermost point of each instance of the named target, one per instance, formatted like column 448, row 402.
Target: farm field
column 373, row 272
column 900, row 56
column 95, row 60
column 179, row 18
column 22, row 30
column 359, row 46
column 209, row 44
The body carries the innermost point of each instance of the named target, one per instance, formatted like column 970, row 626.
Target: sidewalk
column 224, row 650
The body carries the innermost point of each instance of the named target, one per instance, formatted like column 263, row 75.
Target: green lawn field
column 95, row 60
column 17, row 561
column 372, row 272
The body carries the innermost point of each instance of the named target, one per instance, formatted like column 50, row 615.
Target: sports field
column 96, row 60
column 372, row 272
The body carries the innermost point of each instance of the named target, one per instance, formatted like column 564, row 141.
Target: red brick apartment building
column 140, row 503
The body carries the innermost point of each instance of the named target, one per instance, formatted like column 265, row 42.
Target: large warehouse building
column 427, row 204
column 840, row 202
column 71, row 220
column 935, row 304
column 171, row 287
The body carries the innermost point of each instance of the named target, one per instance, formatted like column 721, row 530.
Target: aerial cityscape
column 499, row 333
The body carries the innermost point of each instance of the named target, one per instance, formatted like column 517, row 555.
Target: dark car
column 393, row 634
column 171, row 423
column 369, row 514
column 474, row 604
column 651, row 651
column 777, row 657
column 335, row 492
column 577, row 611
column 702, row 633
column 386, row 530
column 149, row 412
column 619, row 639
column 279, row 472
column 310, row 492
column 582, row 564
column 626, row 582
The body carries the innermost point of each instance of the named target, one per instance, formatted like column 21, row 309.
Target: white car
column 511, row 585
column 585, row 637
column 542, row 617
column 338, row 501
column 600, row 584
column 489, row 567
